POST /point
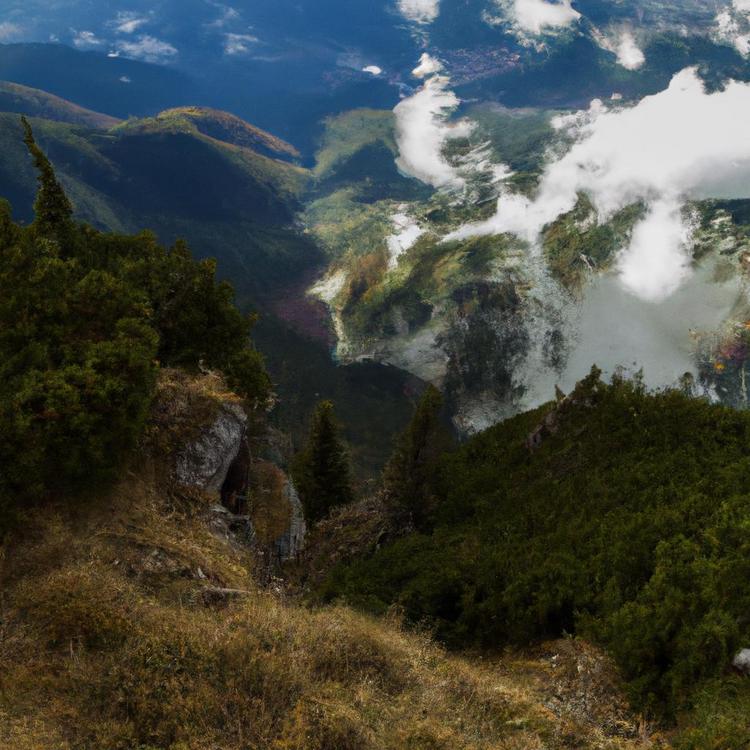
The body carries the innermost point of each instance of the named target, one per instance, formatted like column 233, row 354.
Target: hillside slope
column 36, row 103
column 616, row 514
column 174, row 174
column 116, row 633
column 231, row 202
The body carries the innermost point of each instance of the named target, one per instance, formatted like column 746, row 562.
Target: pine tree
column 409, row 478
column 54, row 212
column 321, row 471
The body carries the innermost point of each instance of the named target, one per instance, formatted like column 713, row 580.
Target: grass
column 106, row 641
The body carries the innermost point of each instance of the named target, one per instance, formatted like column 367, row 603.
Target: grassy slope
column 36, row 103
column 626, row 524
column 108, row 641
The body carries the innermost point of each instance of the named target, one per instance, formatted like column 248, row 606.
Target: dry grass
column 106, row 643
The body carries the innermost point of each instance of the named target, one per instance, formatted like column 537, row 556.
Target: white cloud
column 372, row 70
column 657, row 261
column 86, row 40
column 733, row 26
column 238, row 44
column 126, row 79
column 9, row 31
column 147, row 48
column 680, row 144
column 227, row 16
column 534, row 18
column 419, row 11
column 428, row 66
column 127, row 22
column 537, row 16
column 623, row 44
column 407, row 232
column 629, row 54
column 423, row 128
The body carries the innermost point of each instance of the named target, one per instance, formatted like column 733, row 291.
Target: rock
column 741, row 662
column 230, row 527
column 293, row 539
column 205, row 463
column 159, row 562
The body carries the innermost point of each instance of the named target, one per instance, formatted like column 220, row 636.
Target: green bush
column 629, row 524
column 85, row 320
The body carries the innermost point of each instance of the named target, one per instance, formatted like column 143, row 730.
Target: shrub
column 85, row 320
column 628, row 523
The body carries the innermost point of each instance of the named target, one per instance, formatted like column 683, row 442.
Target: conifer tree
column 409, row 477
column 54, row 212
column 321, row 471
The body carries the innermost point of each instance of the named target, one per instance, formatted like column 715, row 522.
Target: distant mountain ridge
column 25, row 100
column 233, row 191
column 231, row 129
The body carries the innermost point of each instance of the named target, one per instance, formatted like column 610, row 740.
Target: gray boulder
column 742, row 661
column 291, row 543
column 205, row 462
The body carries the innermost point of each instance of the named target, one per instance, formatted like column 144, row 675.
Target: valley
column 374, row 375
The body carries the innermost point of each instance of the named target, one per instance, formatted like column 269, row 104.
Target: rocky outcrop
column 584, row 396
column 290, row 544
column 233, row 528
column 204, row 426
column 206, row 461
column 741, row 662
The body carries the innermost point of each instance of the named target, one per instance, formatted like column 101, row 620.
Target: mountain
column 234, row 192
column 141, row 620
column 438, row 213
column 165, row 173
column 449, row 256
column 36, row 103
column 228, row 128
column 613, row 514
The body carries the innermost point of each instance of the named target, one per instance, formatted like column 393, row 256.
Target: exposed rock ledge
column 205, row 462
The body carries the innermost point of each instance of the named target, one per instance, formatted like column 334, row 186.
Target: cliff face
column 220, row 450
column 206, row 461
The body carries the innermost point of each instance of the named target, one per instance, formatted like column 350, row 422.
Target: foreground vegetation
column 86, row 320
column 127, row 623
column 625, row 519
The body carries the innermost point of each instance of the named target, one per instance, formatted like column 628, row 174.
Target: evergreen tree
column 54, row 212
column 321, row 471
column 410, row 475
column 86, row 319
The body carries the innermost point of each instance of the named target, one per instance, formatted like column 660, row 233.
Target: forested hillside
column 615, row 514
column 87, row 320
column 136, row 609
